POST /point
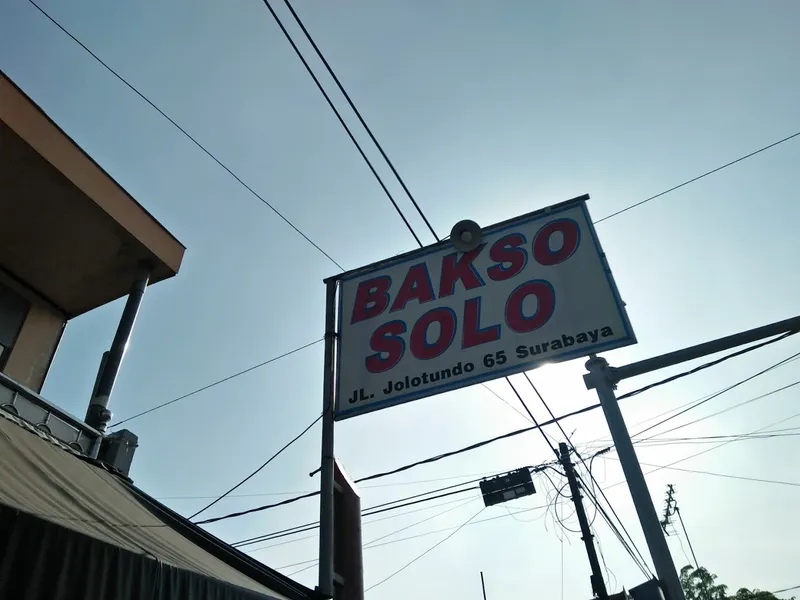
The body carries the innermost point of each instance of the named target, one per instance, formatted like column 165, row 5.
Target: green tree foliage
column 699, row 584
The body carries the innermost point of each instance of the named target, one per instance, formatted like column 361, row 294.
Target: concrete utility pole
column 598, row 585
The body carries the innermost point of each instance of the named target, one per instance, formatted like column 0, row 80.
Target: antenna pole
column 483, row 586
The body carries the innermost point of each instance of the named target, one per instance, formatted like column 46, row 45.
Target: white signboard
column 537, row 289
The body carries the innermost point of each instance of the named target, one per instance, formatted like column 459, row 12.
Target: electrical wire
column 368, row 522
column 358, row 115
column 637, row 557
column 432, row 532
column 713, row 363
column 408, row 466
column 507, row 403
column 264, row 464
column 258, row 509
column 429, row 550
column 696, row 454
column 341, row 120
column 411, row 197
column 595, row 485
column 380, row 508
column 361, row 487
column 217, row 382
column 498, row 438
column 377, row 145
column 313, row 562
column 686, row 534
column 188, row 135
column 699, row 177
column 679, row 407
column 725, row 390
column 719, row 412
column 514, row 433
column 789, row 589
column 724, row 475
column 609, row 573
column 533, row 419
column 413, row 537
column 289, row 501
column 711, row 439
column 705, row 399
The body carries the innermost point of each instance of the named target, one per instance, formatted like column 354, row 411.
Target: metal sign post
column 599, row 380
column 487, row 303
column 604, row 379
column 327, row 464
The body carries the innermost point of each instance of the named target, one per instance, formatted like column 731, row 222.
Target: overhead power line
column 692, row 471
column 360, row 118
column 312, row 494
column 366, row 513
column 594, row 481
column 631, row 548
column 217, row 382
column 264, row 464
column 699, row 177
column 431, row 549
column 313, row 562
column 724, row 410
column 714, row 363
column 727, row 476
column 706, row 451
column 722, row 475
column 379, row 508
column 361, row 487
column 701, row 399
column 723, row 391
column 450, row 502
column 707, row 439
column 413, row 200
column 188, row 136
column 477, row 445
column 341, row 120
column 369, row 131
column 789, row 589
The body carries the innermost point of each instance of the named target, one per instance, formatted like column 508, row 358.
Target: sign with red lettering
column 537, row 289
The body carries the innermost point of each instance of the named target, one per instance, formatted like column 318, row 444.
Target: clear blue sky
column 489, row 110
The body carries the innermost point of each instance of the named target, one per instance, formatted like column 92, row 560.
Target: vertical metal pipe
column 483, row 586
column 97, row 415
column 326, row 522
column 599, row 379
column 598, row 584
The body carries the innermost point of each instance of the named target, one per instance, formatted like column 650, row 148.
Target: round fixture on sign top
column 466, row 235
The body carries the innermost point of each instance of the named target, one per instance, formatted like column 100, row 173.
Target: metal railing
column 26, row 404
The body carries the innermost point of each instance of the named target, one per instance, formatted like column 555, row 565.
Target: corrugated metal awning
column 44, row 479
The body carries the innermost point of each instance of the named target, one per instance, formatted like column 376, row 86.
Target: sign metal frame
column 626, row 338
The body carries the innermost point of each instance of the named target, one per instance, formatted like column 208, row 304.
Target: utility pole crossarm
column 669, row 509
